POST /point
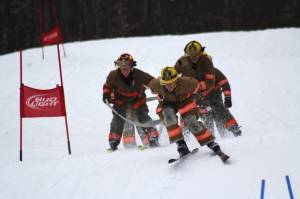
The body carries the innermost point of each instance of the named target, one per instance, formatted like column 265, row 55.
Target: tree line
column 95, row 19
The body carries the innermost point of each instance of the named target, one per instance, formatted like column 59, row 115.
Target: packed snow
column 263, row 68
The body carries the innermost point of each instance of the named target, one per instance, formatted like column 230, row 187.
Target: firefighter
column 125, row 89
column 198, row 64
column 177, row 95
column 195, row 63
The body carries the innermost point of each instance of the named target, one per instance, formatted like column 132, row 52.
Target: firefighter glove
column 228, row 102
column 107, row 98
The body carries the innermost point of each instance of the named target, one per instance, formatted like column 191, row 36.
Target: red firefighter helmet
column 125, row 60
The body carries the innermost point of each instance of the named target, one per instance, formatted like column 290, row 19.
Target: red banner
column 52, row 37
column 42, row 103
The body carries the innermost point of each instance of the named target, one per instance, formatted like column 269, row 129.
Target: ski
column 223, row 156
column 195, row 150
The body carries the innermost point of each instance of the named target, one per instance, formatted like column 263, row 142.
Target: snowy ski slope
column 263, row 68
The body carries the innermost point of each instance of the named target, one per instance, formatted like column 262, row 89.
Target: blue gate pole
column 262, row 190
column 289, row 187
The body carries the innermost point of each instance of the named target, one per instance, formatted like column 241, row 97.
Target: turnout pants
column 168, row 115
column 217, row 114
column 141, row 115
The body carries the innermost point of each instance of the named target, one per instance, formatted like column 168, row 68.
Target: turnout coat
column 127, row 90
column 203, row 70
column 182, row 98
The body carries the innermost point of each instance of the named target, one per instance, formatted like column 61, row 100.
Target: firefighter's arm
column 209, row 74
column 108, row 89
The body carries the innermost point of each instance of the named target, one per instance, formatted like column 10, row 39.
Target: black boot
column 182, row 148
column 153, row 142
column 113, row 145
column 215, row 147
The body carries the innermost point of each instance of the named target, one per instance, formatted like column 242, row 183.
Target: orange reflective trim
column 114, row 136
column 145, row 141
column 187, row 108
column 129, row 139
column 128, row 94
column 174, row 132
column 205, row 133
column 203, row 85
column 139, row 103
column 158, row 109
column 227, row 93
column 222, row 82
column 230, row 123
column 209, row 76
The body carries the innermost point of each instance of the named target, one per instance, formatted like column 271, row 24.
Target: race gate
column 42, row 103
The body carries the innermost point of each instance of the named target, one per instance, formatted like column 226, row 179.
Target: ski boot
column 215, row 147
column 182, row 148
column 113, row 145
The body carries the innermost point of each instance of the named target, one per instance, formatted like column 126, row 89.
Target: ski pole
column 135, row 123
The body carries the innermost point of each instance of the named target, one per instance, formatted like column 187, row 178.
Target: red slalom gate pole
column 41, row 28
column 61, row 82
column 21, row 124
column 58, row 24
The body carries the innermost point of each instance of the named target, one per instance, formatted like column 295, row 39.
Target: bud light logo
column 39, row 102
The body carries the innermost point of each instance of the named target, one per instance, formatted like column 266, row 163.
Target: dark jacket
column 182, row 98
column 203, row 70
column 127, row 90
